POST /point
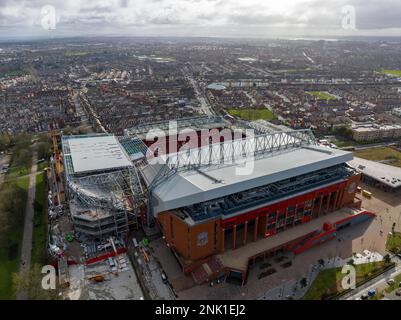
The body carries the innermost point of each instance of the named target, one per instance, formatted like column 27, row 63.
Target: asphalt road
column 26, row 249
column 205, row 105
column 373, row 284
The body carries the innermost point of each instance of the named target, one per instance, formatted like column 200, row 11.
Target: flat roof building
column 96, row 153
column 378, row 174
column 375, row 132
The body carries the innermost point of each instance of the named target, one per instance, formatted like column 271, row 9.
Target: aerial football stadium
column 222, row 205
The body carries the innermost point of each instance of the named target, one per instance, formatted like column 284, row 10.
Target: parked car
column 398, row 292
column 164, row 278
column 390, row 282
column 371, row 292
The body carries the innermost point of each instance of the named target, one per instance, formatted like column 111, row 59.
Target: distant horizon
column 21, row 38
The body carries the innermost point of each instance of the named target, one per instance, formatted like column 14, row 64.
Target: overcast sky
column 244, row 18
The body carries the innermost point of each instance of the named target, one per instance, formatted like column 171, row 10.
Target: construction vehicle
column 101, row 277
column 145, row 255
column 367, row 194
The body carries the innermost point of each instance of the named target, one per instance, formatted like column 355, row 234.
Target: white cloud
column 184, row 16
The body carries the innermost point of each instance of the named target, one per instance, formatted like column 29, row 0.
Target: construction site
column 208, row 201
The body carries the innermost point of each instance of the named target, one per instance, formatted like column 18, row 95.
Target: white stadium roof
column 97, row 153
column 211, row 182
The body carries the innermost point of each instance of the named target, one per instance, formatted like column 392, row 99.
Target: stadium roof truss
column 225, row 153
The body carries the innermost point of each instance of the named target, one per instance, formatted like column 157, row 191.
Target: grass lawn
column 392, row 72
column 321, row 95
column 328, row 282
column 252, row 114
column 381, row 153
column 23, row 183
column 76, row 53
column 10, row 251
column 42, row 165
column 393, row 243
column 397, row 280
column 8, row 266
column 40, row 222
column 345, row 143
column 16, row 172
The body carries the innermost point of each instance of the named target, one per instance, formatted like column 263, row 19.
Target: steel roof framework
column 227, row 152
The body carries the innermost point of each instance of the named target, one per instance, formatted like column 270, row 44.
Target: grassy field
column 393, row 243
column 40, row 222
column 13, row 195
column 14, row 73
column 381, row 153
column 345, row 143
column 321, row 95
column 392, row 72
column 328, row 282
column 76, row 53
column 252, row 114
column 10, row 246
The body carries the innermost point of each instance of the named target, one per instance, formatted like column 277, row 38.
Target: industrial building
column 220, row 206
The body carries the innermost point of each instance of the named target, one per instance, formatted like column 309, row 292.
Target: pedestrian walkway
column 26, row 249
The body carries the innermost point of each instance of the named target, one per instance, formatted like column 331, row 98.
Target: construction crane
column 56, row 152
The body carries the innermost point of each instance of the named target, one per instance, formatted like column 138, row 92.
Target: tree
column 387, row 259
column 43, row 149
column 343, row 131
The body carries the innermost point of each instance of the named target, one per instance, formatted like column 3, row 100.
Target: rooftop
column 94, row 153
column 384, row 173
column 238, row 258
column 376, row 127
column 262, row 167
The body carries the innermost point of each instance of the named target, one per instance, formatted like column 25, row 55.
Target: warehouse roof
column 95, row 153
column 212, row 182
column 383, row 173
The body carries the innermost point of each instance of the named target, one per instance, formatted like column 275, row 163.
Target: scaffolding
column 107, row 201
